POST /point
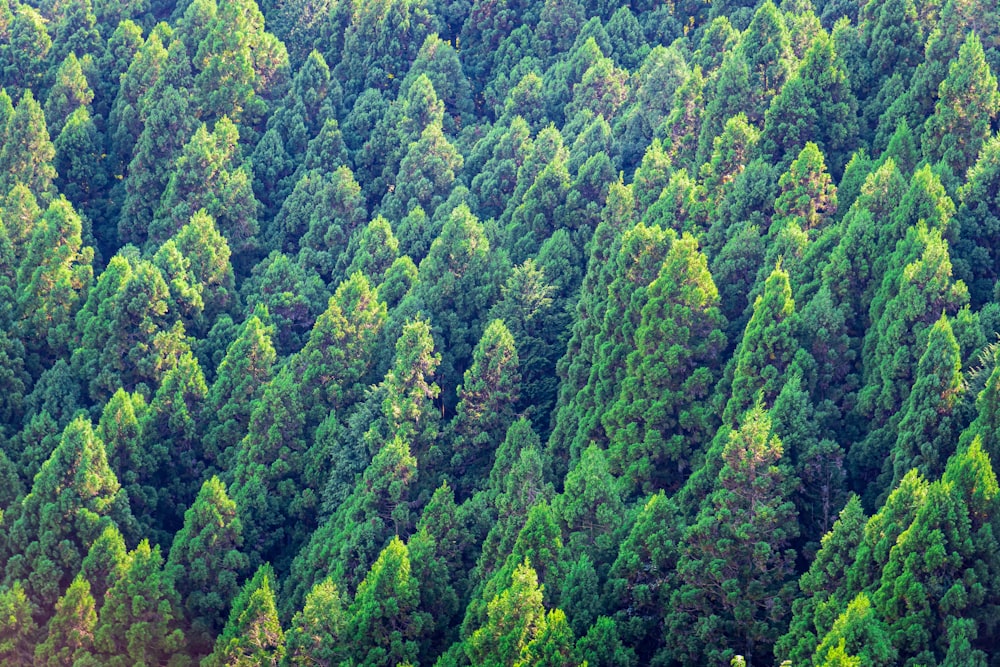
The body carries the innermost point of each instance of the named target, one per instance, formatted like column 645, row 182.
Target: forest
column 500, row 333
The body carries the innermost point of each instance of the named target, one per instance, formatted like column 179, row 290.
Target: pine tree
column 967, row 102
column 253, row 634
column 139, row 620
column 206, row 563
column 71, row 631
column 383, row 616
column 735, row 562
column 486, row 405
column 674, row 366
column 73, row 499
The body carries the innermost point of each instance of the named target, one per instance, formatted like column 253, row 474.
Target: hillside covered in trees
column 499, row 333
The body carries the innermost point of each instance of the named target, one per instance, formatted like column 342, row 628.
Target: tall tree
column 74, row 498
column 735, row 561
column 206, row 563
column 967, row 103
column 658, row 418
column 140, row 621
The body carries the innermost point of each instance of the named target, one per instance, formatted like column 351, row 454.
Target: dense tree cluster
column 499, row 333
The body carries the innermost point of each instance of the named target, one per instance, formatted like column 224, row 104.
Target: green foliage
column 253, row 634
column 139, row 620
column 73, row 499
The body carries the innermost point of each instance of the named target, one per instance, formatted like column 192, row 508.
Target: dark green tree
column 735, row 561
column 71, row 631
column 967, row 101
column 206, row 563
column 139, row 622
column 658, row 419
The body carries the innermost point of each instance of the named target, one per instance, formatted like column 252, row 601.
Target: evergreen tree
column 459, row 279
column 208, row 175
column 139, row 619
column 768, row 347
column 486, row 405
column 735, row 562
column 105, row 563
column 967, row 102
column 73, row 499
column 978, row 224
column 71, row 631
column 239, row 383
column 658, row 417
column 383, row 616
column 515, row 617
column 205, row 563
column 53, row 280
column 316, row 630
column 69, row 92
column 928, row 425
column 27, row 153
column 17, row 627
column 253, row 634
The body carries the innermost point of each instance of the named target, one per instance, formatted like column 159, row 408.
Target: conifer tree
column 314, row 637
column 17, row 627
column 928, row 425
column 253, row 634
column 139, row 620
column 486, row 405
column 768, row 347
column 53, row 280
column 71, row 631
column 736, row 570
column 656, row 417
column 27, row 153
column 767, row 50
column 206, row 563
column 516, row 616
column 74, row 498
column 925, row 290
column 117, row 326
column 638, row 262
column 459, row 279
column 347, row 543
column 821, row 585
column 69, row 91
column 967, row 102
column 977, row 224
column 105, row 563
column 208, row 175
column 383, row 616
column 239, row 383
